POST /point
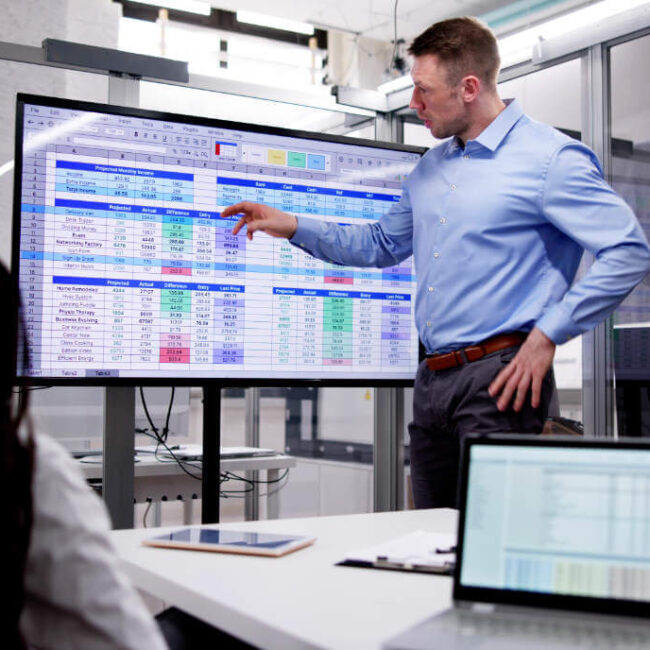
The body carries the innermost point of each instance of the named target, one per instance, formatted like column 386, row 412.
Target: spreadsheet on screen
column 127, row 269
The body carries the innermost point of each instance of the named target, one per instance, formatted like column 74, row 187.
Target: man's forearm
column 355, row 245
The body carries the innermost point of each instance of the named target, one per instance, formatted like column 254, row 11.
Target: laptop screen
column 558, row 520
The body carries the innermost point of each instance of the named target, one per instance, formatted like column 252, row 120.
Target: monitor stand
column 119, row 447
column 211, row 451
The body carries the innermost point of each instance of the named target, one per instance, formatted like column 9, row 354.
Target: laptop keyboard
column 551, row 632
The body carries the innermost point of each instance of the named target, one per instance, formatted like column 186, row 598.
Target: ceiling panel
column 372, row 18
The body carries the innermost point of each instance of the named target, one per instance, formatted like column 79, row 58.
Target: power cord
column 396, row 62
column 165, row 430
column 161, row 440
column 229, row 476
column 146, row 512
column 392, row 56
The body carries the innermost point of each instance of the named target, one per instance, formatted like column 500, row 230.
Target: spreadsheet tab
column 128, row 270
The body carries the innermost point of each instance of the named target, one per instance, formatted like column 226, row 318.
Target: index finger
column 239, row 225
column 234, row 209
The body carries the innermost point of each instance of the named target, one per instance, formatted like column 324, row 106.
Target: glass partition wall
column 331, row 430
column 629, row 149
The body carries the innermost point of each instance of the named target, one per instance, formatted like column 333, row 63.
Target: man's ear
column 470, row 88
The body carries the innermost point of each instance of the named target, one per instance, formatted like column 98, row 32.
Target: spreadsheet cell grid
column 126, row 264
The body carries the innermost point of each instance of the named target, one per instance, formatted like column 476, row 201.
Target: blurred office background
column 584, row 73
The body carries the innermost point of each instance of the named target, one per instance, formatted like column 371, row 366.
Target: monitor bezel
column 516, row 597
column 56, row 102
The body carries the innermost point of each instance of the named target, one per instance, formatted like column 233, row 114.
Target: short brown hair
column 465, row 45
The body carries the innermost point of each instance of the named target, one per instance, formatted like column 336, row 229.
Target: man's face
column 437, row 103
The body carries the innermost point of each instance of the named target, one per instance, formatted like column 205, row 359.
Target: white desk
column 301, row 600
column 155, row 480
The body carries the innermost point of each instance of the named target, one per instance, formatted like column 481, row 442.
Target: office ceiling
column 374, row 18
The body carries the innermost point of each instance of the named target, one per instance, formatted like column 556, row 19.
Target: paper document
column 417, row 551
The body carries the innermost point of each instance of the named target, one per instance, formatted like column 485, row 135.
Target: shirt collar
column 495, row 132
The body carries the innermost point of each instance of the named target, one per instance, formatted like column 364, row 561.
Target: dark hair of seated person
column 16, row 467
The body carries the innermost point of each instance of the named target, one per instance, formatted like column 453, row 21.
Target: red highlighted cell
column 174, row 355
column 175, row 341
column 174, row 270
column 333, row 280
column 337, row 362
column 217, row 149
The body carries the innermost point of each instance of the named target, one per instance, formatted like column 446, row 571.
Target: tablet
column 230, row 541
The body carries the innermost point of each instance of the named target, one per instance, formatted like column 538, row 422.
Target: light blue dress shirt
column 497, row 230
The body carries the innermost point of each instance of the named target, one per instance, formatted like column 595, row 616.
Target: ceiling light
column 394, row 85
column 253, row 18
column 190, row 6
column 519, row 46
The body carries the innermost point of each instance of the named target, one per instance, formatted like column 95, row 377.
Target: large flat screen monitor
column 129, row 274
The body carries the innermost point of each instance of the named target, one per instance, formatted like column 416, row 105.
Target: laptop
column 553, row 548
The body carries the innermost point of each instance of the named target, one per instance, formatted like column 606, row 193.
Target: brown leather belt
column 474, row 352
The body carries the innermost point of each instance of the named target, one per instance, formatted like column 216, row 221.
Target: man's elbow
column 645, row 259
column 639, row 259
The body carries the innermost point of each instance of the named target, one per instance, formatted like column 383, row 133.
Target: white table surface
column 301, row 600
column 147, row 465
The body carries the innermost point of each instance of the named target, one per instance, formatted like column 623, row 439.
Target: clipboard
column 420, row 551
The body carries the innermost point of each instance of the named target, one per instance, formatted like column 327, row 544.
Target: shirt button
column 453, row 188
column 430, row 289
column 428, row 323
column 436, row 255
column 443, row 220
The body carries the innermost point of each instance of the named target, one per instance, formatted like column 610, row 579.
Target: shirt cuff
column 558, row 325
column 307, row 233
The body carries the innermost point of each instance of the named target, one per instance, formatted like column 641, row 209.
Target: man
column 497, row 218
